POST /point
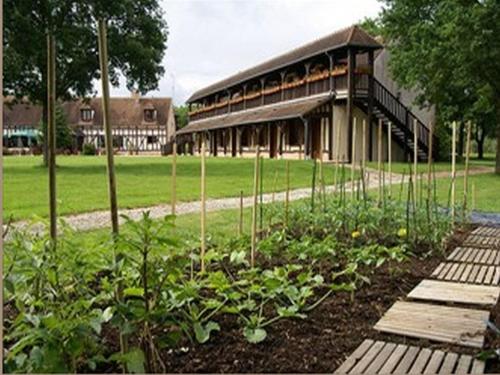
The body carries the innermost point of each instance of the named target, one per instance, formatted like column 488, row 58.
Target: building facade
column 138, row 124
column 325, row 99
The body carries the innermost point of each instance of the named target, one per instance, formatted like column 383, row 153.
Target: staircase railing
column 398, row 111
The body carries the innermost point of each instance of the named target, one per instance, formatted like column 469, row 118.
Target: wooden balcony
column 288, row 91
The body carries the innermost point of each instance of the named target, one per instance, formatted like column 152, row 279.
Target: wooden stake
column 353, row 156
column 174, row 178
column 379, row 160
column 287, row 193
column 466, row 172
column 203, row 203
column 453, row 168
column 473, row 196
column 51, row 133
column 363, row 156
column 254, row 207
column 429, row 162
column 415, row 159
column 389, row 156
column 337, row 156
column 103, row 59
column 240, row 226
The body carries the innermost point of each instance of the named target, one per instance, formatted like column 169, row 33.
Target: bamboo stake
column 240, row 226
column 273, row 196
column 287, row 193
column 379, row 160
column 353, row 156
column 261, row 193
column 51, row 133
column 337, row 156
column 415, row 159
column 174, row 178
column 313, row 184
column 389, row 156
column 254, row 207
column 473, row 196
column 363, row 157
column 429, row 167
column 466, row 172
column 453, row 169
column 203, row 203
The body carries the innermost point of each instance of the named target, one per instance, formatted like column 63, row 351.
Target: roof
column 353, row 36
column 124, row 112
column 272, row 112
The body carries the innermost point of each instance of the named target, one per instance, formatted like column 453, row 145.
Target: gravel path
column 100, row 219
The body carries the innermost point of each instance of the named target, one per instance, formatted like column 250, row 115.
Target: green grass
column 141, row 181
column 489, row 161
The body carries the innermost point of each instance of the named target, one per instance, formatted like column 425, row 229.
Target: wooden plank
column 351, row 361
column 421, row 361
column 439, row 323
column 407, row 360
column 367, row 358
column 466, row 273
column 449, row 363
column 444, row 291
column 475, row 255
column 463, row 364
column 381, row 358
column 435, row 362
column 471, row 273
column 477, row 367
column 438, row 269
column 394, row 359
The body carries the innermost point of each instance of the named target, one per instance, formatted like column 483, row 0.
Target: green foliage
column 64, row 136
column 181, row 116
column 89, row 149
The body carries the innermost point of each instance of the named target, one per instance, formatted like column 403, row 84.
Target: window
column 149, row 115
column 86, row 114
column 152, row 139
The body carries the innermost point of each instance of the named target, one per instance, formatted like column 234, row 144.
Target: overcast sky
column 212, row 39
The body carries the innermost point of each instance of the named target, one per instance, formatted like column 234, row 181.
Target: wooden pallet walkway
column 435, row 322
column 467, row 273
column 487, row 231
column 445, row 291
column 475, row 255
column 380, row 357
column 484, row 242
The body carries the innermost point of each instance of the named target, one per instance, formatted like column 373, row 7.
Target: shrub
column 88, row 149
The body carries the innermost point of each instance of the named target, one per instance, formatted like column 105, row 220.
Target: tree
column 64, row 137
column 449, row 51
column 137, row 36
column 181, row 116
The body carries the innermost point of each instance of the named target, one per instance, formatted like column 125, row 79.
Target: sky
column 212, row 39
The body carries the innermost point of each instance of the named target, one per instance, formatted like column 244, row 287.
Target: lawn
column 488, row 161
column 141, row 181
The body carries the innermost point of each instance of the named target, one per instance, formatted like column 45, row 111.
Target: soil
column 319, row 343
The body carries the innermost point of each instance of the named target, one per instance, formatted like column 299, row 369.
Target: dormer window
column 86, row 114
column 149, row 115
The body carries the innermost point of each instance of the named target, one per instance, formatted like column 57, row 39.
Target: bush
column 88, row 149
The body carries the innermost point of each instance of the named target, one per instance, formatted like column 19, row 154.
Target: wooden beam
column 51, row 133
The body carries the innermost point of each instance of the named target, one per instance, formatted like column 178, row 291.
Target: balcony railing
column 315, row 84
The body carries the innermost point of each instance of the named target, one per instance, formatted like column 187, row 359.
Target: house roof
column 353, row 36
column 124, row 112
column 273, row 112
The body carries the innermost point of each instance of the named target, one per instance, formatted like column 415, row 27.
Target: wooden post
column 240, row 226
column 466, row 172
column 174, row 177
column 51, row 133
column 337, row 156
column 415, row 159
column 389, row 156
column 203, row 204
column 429, row 162
column 287, row 193
column 103, row 59
column 353, row 155
column 379, row 160
column 453, row 168
column 254, row 206
column 473, row 196
column 363, row 157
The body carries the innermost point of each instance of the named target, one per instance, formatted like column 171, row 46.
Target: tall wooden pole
column 466, row 172
column 429, row 161
column 337, row 155
column 240, row 226
column 254, row 207
column 353, row 155
column 389, row 156
column 174, row 178
column 51, row 132
column 203, row 203
column 103, row 60
column 363, row 157
column 287, row 193
column 415, row 160
column 379, row 160
column 453, row 168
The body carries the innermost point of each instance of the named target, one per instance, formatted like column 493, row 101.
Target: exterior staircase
column 387, row 107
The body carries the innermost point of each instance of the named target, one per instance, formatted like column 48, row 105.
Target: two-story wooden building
column 306, row 102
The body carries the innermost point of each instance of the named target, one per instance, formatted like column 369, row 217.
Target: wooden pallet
column 434, row 322
column 483, row 242
column 467, row 273
column 379, row 357
column 487, row 231
column 444, row 291
column 475, row 255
